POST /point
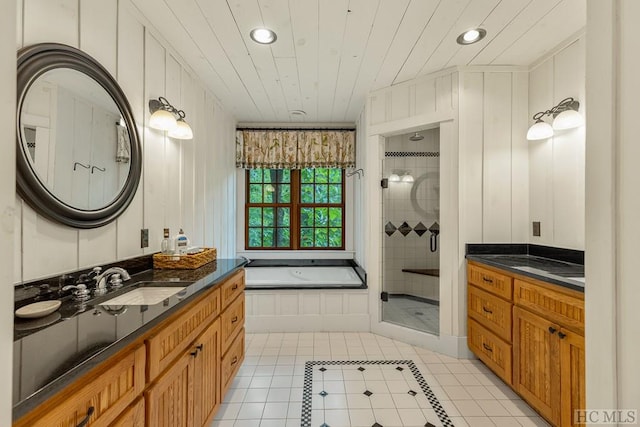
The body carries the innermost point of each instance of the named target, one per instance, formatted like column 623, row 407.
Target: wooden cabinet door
column 536, row 367
column 572, row 361
column 98, row 398
column 170, row 400
column 133, row 416
column 207, row 379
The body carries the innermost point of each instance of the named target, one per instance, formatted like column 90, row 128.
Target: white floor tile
column 469, row 408
column 275, row 410
column 250, row 411
column 361, row 417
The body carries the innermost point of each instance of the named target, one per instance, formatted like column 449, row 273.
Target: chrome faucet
column 101, row 279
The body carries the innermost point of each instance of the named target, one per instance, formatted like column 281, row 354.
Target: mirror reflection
column 75, row 139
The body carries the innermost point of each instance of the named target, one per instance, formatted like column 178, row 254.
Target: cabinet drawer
column 174, row 338
column 232, row 321
column 494, row 352
column 558, row 306
column 109, row 392
column 490, row 281
column 231, row 362
column 231, row 288
column 490, row 311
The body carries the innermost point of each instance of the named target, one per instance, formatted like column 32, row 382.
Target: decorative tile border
column 308, row 387
column 411, row 154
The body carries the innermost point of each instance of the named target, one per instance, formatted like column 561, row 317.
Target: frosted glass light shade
column 408, row 178
column 394, row 178
column 539, row 130
column 568, row 119
column 182, row 130
column 162, row 120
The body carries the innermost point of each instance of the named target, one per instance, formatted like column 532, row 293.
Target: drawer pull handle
column 552, row 329
column 234, row 319
column 486, row 310
column 234, row 360
column 90, row 412
column 486, row 347
column 485, row 279
column 200, row 347
column 234, row 287
column 561, row 335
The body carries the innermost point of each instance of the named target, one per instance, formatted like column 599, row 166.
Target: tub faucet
column 101, row 279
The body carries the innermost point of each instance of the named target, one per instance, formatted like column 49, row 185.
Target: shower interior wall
column 411, row 203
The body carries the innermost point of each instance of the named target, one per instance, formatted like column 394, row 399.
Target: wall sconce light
column 405, row 177
column 565, row 116
column 166, row 117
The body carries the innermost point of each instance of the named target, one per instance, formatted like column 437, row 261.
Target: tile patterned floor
column 269, row 388
column 412, row 314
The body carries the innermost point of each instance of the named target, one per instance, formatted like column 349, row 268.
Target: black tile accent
column 412, row 393
column 324, row 425
column 400, row 368
column 361, row 369
column 308, row 383
column 428, row 424
column 322, row 369
column 405, row 228
column 389, row 228
column 420, row 229
column 561, row 254
column 377, row 425
column 323, row 393
column 367, row 393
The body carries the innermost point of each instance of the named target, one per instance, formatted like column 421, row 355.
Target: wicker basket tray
column 184, row 262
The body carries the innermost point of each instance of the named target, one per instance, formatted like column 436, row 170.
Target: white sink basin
column 144, row 296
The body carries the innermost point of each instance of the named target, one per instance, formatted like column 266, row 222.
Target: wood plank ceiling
column 330, row 53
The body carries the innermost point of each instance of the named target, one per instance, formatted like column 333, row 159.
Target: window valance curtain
column 295, row 149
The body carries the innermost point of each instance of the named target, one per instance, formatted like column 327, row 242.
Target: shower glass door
column 410, row 235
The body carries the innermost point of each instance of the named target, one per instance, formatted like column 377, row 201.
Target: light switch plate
column 536, row 228
column 144, row 238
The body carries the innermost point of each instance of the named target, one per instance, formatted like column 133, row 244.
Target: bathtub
column 302, row 278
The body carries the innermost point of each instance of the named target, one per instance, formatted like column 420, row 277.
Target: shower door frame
column 452, row 337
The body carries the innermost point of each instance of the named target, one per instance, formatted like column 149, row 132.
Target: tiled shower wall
column 411, row 203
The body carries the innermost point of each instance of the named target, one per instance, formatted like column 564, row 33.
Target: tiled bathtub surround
column 409, row 209
column 268, row 391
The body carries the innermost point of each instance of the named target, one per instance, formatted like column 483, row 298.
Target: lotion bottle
column 181, row 242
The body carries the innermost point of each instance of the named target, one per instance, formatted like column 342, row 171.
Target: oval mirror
column 78, row 151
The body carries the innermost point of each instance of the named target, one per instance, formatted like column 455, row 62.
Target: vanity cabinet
column 531, row 334
column 173, row 375
column 99, row 397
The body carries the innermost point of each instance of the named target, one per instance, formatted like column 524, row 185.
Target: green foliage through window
column 318, row 204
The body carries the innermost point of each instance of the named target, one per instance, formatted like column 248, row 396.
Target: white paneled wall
column 557, row 164
column 307, row 310
column 484, row 186
column 188, row 184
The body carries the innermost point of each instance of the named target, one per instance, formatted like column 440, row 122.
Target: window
column 295, row 209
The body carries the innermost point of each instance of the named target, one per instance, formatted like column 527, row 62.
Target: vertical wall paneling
column 471, row 161
column 173, row 152
column 188, row 159
column 200, row 166
column 19, row 22
column 154, row 145
column 98, row 28
column 7, row 204
column 540, row 156
column 51, row 21
column 569, row 152
column 443, row 93
column 425, row 95
column 520, row 224
column 17, row 241
column 130, row 72
column 400, row 102
column 210, row 182
column 496, row 193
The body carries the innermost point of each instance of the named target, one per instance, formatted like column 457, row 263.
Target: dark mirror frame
column 33, row 61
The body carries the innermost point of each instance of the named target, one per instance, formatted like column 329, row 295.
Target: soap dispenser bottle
column 181, row 242
column 166, row 245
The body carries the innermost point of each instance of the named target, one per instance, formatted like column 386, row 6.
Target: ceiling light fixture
column 300, row 113
column 263, row 35
column 471, row 36
column 166, row 117
column 565, row 116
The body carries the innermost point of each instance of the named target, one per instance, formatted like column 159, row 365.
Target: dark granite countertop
column 561, row 267
column 52, row 352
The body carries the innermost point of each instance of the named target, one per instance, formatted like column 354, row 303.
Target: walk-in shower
column 410, row 235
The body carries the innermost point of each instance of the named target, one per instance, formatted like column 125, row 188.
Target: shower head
column 416, row 137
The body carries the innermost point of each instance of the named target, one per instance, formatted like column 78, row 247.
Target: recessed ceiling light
column 300, row 113
column 471, row 36
column 263, row 35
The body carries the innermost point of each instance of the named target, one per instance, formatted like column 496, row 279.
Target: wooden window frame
column 295, row 207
